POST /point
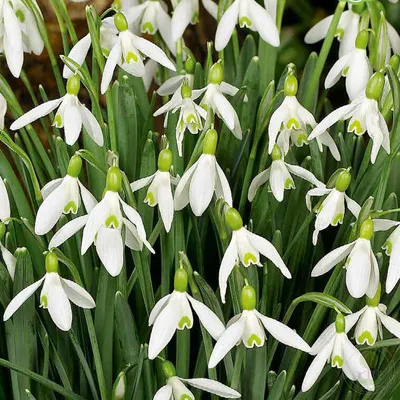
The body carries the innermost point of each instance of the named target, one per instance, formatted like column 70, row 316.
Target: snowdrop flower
column 335, row 347
column 249, row 14
column 71, row 115
column 151, row 74
column 291, row 115
column 174, row 311
column 3, row 110
column 364, row 115
column 56, row 295
column 204, row 178
column 175, row 388
column 214, row 98
column 160, row 191
column 346, row 32
column 245, row 247
column 18, row 34
column 126, row 53
column 392, row 249
column 62, row 196
column 332, row 209
column 278, row 174
column 103, row 227
column 362, row 272
column 248, row 327
column 355, row 66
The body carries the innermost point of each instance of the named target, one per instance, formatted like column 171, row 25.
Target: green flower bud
column 114, row 179
column 165, row 160
column 180, row 280
column 216, row 74
column 186, row 91
column 374, row 301
column 276, row 153
column 168, row 369
column 73, row 85
column 51, row 262
column 74, row 166
column 119, row 387
column 190, row 65
column 394, row 62
column 248, row 298
column 2, row 230
column 291, row 85
column 343, row 181
column 120, row 22
column 375, row 86
column 358, row 8
column 210, row 142
column 362, row 39
column 340, row 323
column 233, row 219
column 367, row 229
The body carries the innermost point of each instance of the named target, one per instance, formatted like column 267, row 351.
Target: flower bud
column 165, row 160
column 367, row 229
column 358, row 8
column 168, row 369
column 343, row 181
column 180, row 280
column 216, row 74
column 291, row 85
column 190, row 65
column 394, row 62
column 186, row 91
column 248, row 298
column 233, row 219
column 119, row 387
column 74, row 166
column 120, row 22
column 2, row 230
column 375, row 86
column 362, row 39
column 276, row 154
column 340, row 323
column 210, row 142
column 73, row 85
column 114, row 179
column 51, row 262
column 374, row 301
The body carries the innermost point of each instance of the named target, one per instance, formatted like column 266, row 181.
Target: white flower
column 249, row 14
column 3, row 110
column 346, row 32
column 364, row 115
column 71, row 115
column 103, row 226
column 63, row 196
column 392, row 248
column 204, row 178
column 278, row 175
column 126, row 53
column 160, row 191
column 5, row 210
column 174, row 312
column 362, row 272
column 248, row 327
column 55, row 296
column 291, row 115
column 245, row 247
column 355, row 66
column 335, row 347
column 332, row 209
column 18, row 34
column 151, row 74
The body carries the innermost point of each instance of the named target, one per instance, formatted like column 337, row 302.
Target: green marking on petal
column 149, row 199
column 105, row 52
column 366, row 336
column 301, row 139
column 388, row 246
column 181, row 125
column 356, row 127
column 44, row 302
column 338, row 219
column 131, row 56
column 195, row 18
column 293, row 124
column 71, row 207
column 112, row 222
column 249, row 258
column 253, row 339
column 339, row 33
column 148, row 27
column 191, row 118
column 58, row 121
column 184, row 322
column 245, row 22
column 337, row 362
column 205, row 106
column 185, row 397
column 289, row 183
column 20, row 15
column 345, row 71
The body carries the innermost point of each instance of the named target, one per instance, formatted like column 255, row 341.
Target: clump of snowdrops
column 201, row 227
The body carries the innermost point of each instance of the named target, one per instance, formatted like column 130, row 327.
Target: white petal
column 318, row 31
column 226, row 26
column 315, row 192
column 68, row 230
column 4, row 202
column 72, row 123
column 141, row 183
column 9, row 260
column 179, row 390
column 275, row 123
column 20, row 299
column 336, row 71
column 392, row 325
column 77, row 294
column 110, row 249
column 164, row 25
column 374, row 277
column 358, row 75
column 157, row 308
column 92, row 126
column 78, row 54
column 227, row 88
column 171, row 85
column 305, row 174
column 181, row 18
column 227, row 264
column 263, row 22
column 182, row 190
column 164, row 393
column 394, row 38
column 257, row 182
column 211, row 7
column 211, row 386
column 225, row 109
column 222, row 188
column 88, row 199
column 50, row 186
column 353, row 206
column 277, row 179
column 165, row 201
column 111, row 63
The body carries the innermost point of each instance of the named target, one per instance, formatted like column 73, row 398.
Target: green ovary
column 293, row 124
column 244, row 21
column 356, row 127
column 184, row 322
column 289, row 183
column 71, row 207
column 131, row 56
column 44, row 302
column 112, row 222
column 249, row 258
column 58, row 121
column 366, row 336
column 149, row 199
column 148, row 27
column 337, row 362
column 253, row 339
column 338, row 219
column 339, row 33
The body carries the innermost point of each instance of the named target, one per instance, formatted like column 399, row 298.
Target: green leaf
column 322, row 299
column 276, row 392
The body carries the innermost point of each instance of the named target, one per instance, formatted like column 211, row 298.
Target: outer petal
column 94, row 222
column 226, row 26
column 171, row 85
column 164, row 393
column 92, row 126
column 78, row 54
column 257, row 182
column 49, row 187
column 77, row 294
column 336, row 71
column 166, row 201
column 392, row 325
column 68, row 230
column 359, row 73
column 305, row 174
column 225, row 109
column 158, row 308
column 9, row 260
column 394, row 38
column 318, row 31
column 4, row 202
column 72, row 123
column 275, row 124
column 352, row 205
column 181, row 18
column 110, row 248
column 315, row 192
column 211, row 386
column 141, row 183
column 222, row 188
column 88, row 199
column 263, row 22
column 227, row 264
column 211, row 7
column 112, row 60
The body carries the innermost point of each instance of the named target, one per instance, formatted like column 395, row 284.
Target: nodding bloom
column 245, row 247
column 362, row 272
column 335, row 347
column 71, row 115
column 355, row 66
column 19, row 34
column 56, row 295
column 278, row 175
column 63, row 196
column 204, row 178
column 291, row 116
column 332, row 209
column 214, row 98
column 104, row 227
column 175, row 388
column 248, row 327
column 248, row 14
column 160, row 191
column 364, row 116
column 347, row 30
column 126, row 52
column 174, row 311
